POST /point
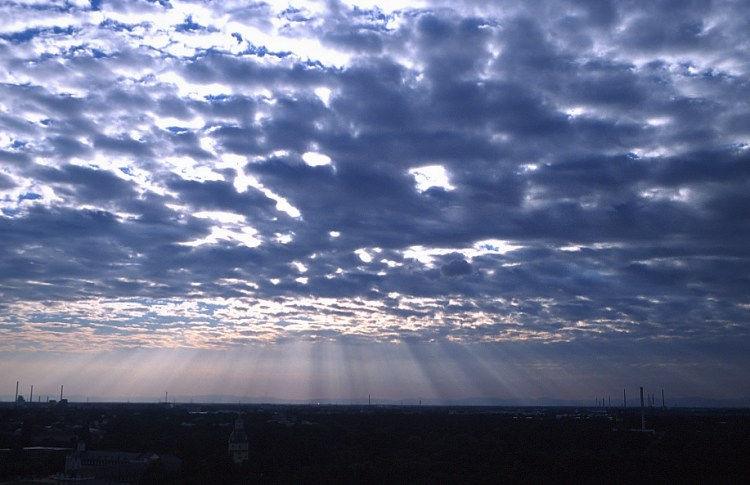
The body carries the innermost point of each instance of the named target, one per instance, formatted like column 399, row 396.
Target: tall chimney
column 663, row 406
column 61, row 394
column 643, row 416
column 31, row 394
column 624, row 399
column 15, row 399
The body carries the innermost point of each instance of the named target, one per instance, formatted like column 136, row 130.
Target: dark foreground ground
column 314, row 444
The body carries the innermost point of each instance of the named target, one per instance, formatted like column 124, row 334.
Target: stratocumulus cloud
column 213, row 174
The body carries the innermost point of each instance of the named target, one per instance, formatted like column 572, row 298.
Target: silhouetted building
column 83, row 466
column 238, row 443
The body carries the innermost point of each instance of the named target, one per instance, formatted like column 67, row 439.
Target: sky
column 300, row 200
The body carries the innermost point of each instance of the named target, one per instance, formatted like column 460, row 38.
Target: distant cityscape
column 78, row 442
column 653, row 397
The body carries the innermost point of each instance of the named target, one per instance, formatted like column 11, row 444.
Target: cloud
column 571, row 172
column 456, row 267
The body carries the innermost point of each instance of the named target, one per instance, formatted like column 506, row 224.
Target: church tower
column 238, row 443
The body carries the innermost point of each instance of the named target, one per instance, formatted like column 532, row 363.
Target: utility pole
column 643, row 415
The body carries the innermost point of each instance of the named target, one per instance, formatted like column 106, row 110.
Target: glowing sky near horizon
column 214, row 176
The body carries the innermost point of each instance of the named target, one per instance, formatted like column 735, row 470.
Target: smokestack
column 61, row 394
column 609, row 401
column 31, row 394
column 663, row 406
column 624, row 399
column 369, row 402
column 15, row 399
column 643, row 416
column 166, row 397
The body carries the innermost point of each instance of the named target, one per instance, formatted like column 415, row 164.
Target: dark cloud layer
column 546, row 170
